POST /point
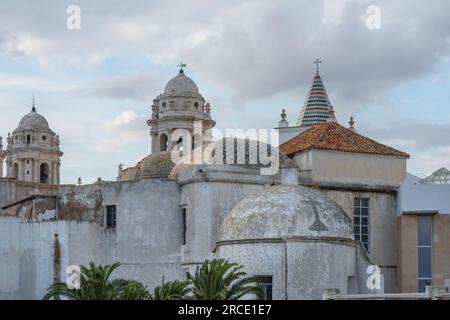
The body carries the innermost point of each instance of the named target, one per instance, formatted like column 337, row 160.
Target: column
column 37, row 172
column 59, row 173
column 20, row 170
column 1, row 167
column 154, row 142
column 8, row 169
column 55, row 173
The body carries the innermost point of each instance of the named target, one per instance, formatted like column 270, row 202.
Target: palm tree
column 220, row 279
column 174, row 290
column 95, row 285
column 129, row 290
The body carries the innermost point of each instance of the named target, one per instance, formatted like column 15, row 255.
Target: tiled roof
column 333, row 136
column 317, row 107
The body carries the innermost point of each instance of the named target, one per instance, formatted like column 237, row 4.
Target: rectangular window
column 424, row 252
column 28, row 138
column 183, row 214
column 266, row 283
column 361, row 219
column 110, row 216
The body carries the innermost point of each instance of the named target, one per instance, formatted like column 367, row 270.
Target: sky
column 388, row 68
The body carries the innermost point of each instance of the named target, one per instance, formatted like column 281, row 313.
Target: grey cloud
column 138, row 87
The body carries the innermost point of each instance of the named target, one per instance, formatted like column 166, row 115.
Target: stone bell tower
column 178, row 107
column 32, row 153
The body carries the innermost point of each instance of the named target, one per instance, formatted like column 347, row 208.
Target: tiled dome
column 155, row 166
column 229, row 151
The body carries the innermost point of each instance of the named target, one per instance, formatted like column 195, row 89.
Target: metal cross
column 182, row 65
column 317, row 62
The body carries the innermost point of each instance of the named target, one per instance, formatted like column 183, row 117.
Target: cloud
column 9, row 44
column 124, row 129
column 138, row 87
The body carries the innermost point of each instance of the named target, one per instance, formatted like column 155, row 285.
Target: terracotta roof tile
column 333, row 136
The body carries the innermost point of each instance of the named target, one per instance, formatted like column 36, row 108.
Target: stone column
column 58, row 180
column 8, row 169
column 20, row 172
column 1, row 166
column 37, row 172
column 55, row 173
column 154, row 138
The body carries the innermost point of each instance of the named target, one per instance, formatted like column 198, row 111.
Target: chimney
column 289, row 174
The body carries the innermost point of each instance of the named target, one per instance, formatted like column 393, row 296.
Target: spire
column 317, row 107
column 33, row 108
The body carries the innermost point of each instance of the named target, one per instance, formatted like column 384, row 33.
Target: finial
column 283, row 114
column 317, row 67
column 182, row 65
column 33, row 108
column 351, row 123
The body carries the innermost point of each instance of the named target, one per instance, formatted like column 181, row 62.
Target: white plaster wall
column 383, row 228
column 311, row 266
column 147, row 239
column 424, row 197
column 37, row 256
column 207, row 204
column 352, row 168
column 9, row 257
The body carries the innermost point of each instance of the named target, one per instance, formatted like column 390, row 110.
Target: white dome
column 33, row 120
column 286, row 211
column 181, row 84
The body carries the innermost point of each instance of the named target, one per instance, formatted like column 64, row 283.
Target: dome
column 181, row 84
column 286, row 211
column 219, row 152
column 33, row 120
column 155, row 166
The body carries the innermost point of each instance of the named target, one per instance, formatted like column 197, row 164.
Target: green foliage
column 217, row 279
column 95, row 285
column 174, row 290
column 220, row 279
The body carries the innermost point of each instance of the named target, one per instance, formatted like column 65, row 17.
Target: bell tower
column 33, row 153
column 180, row 106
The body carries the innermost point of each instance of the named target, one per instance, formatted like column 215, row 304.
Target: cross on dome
column 182, row 65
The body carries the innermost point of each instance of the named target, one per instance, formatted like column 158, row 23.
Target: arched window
column 16, row 170
column 44, row 173
column 163, row 142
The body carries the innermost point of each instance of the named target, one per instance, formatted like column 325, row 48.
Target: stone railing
column 431, row 293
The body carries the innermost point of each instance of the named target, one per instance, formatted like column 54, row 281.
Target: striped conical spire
column 317, row 107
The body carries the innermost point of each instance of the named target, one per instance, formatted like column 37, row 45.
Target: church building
column 326, row 215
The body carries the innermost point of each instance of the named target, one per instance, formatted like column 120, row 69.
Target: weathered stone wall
column 383, row 234
column 148, row 237
column 301, row 269
column 208, row 196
